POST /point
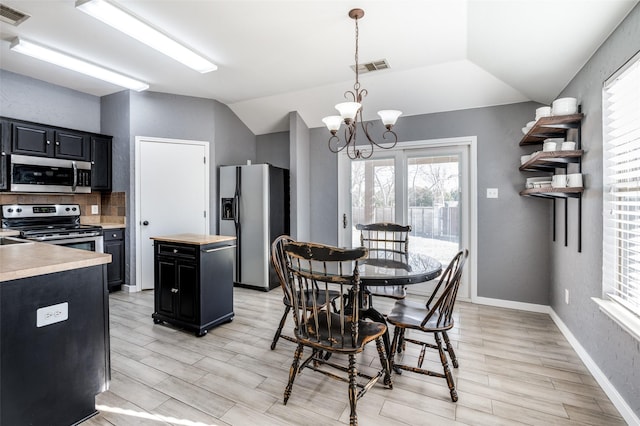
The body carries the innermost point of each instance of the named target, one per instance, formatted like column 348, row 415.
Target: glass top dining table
column 386, row 268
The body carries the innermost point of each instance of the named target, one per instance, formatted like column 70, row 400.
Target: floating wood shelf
column 548, row 161
column 551, row 127
column 553, row 192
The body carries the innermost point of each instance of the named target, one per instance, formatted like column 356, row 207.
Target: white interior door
column 172, row 195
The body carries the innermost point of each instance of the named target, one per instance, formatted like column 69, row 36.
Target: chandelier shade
column 351, row 116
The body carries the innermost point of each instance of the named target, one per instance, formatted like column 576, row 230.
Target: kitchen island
column 54, row 333
column 193, row 281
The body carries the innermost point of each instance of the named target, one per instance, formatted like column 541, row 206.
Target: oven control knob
column 73, row 209
column 18, row 210
column 67, row 209
column 10, row 210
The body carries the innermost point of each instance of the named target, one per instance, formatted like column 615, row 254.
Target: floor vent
column 12, row 16
column 378, row 65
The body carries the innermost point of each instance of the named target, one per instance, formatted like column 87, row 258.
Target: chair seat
column 321, row 297
column 392, row 291
column 410, row 314
column 367, row 332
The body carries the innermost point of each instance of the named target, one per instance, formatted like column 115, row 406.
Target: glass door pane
column 373, row 195
column 434, row 205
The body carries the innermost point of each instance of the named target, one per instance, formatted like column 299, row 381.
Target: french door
column 427, row 187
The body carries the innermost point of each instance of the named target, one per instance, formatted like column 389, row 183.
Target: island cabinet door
column 166, row 286
column 187, row 294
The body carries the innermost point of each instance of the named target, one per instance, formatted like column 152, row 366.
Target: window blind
column 621, row 178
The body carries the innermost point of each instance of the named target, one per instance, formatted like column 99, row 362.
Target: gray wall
column 614, row 350
column 273, row 149
column 34, row 100
column 514, row 232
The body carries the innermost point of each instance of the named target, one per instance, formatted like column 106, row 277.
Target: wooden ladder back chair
column 326, row 332
column 435, row 317
column 390, row 237
column 279, row 260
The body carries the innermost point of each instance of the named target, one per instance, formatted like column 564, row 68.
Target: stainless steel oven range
column 52, row 223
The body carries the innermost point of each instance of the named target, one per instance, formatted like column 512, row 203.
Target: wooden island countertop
column 31, row 259
column 196, row 239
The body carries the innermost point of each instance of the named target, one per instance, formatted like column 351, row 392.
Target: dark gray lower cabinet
column 114, row 245
column 54, row 335
column 193, row 284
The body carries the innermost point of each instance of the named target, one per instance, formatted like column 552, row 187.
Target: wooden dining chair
column 435, row 317
column 325, row 332
column 278, row 258
column 389, row 237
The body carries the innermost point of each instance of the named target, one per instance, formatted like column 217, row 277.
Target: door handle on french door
column 344, row 220
column 145, row 223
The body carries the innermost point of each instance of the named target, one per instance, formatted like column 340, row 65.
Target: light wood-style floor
column 515, row 368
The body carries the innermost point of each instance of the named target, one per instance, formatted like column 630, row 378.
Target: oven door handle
column 75, row 176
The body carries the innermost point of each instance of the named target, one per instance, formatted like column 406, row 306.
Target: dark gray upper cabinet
column 101, row 163
column 46, row 141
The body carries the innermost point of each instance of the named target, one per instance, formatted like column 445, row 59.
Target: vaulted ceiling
column 280, row 56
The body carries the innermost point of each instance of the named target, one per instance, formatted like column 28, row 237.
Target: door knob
column 145, row 223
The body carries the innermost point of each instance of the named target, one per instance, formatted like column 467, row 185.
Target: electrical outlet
column 95, row 209
column 566, row 296
column 492, row 192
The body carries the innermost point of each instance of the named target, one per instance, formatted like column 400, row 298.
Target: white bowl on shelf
column 525, row 130
column 564, row 106
column 538, row 182
column 544, row 111
column 524, row 158
column 568, row 146
column 549, row 146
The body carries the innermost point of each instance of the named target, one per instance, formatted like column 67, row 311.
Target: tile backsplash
column 112, row 205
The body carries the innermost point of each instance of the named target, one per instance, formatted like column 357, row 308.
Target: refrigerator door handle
column 236, row 209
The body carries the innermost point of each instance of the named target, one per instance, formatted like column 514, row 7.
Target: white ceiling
column 280, row 56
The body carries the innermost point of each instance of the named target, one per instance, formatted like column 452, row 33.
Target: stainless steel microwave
column 43, row 174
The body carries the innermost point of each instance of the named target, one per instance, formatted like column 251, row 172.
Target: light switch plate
column 94, row 209
column 492, row 192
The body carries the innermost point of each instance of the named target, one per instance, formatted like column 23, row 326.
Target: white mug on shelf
column 568, row 146
column 574, row 180
column 559, row 181
column 549, row 146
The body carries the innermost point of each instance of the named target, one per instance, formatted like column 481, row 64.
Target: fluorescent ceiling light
column 123, row 21
column 61, row 59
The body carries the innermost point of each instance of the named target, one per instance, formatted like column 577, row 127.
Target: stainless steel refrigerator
column 254, row 207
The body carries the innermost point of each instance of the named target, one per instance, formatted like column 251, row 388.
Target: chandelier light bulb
column 389, row 117
column 333, row 123
column 348, row 110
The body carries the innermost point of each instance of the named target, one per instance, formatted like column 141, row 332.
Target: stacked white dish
column 541, row 112
column 564, row 106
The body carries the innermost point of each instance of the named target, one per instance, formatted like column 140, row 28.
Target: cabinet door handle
column 175, row 250
column 57, row 143
column 115, row 235
column 48, row 142
column 174, row 290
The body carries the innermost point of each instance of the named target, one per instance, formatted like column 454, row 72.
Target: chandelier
column 351, row 116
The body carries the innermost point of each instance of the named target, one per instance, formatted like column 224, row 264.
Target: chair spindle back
column 313, row 270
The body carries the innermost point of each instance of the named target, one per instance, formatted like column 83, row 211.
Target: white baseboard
column 625, row 410
column 500, row 303
column 130, row 288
